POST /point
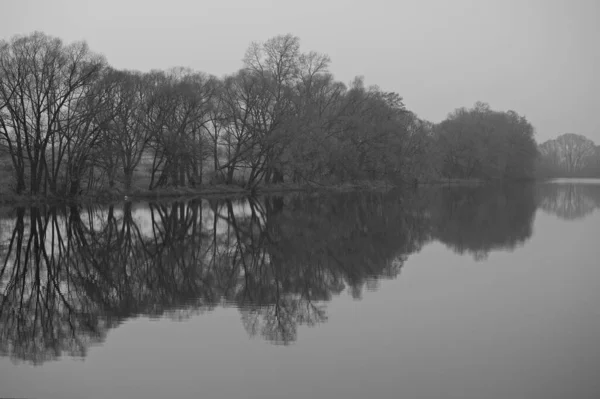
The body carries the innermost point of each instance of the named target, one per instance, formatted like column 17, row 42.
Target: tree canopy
column 486, row 144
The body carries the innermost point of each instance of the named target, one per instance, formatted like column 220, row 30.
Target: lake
column 440, row 292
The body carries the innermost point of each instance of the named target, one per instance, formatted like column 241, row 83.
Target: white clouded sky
column 540, row 58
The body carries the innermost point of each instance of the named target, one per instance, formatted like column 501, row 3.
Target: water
column 479, row 292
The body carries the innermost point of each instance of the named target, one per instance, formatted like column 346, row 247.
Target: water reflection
column 477, row 220
column 69, row 274
column 569, row 201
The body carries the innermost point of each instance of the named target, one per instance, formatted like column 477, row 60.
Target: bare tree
column 126, row 137
column 276, row 63
column 41, row 80
column 570, row 153
column 178, row 115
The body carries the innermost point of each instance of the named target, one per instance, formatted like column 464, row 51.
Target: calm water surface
column 440, row 293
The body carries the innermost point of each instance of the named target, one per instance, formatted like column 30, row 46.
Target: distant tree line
column 569, row 155
column 69, row 124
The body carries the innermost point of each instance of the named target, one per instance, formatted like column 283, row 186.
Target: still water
column 480, row 292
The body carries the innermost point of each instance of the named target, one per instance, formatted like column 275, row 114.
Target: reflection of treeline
column 568, row 200
column 44, row 311
column 68, row 274
column 71, row 124
column 481, row 219
column 323, row 244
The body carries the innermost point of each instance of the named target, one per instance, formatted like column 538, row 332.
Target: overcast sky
column 539, row 58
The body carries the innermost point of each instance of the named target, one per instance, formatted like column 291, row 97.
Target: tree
column 568, row 155
column 41, row 81
column 178, row 114
column 486, row 144
column 126, row 136
column 276, row 63
column 242, row 98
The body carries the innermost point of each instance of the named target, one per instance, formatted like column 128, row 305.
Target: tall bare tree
column 41, row 80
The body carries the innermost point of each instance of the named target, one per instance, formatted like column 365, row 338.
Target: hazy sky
column 539, row 58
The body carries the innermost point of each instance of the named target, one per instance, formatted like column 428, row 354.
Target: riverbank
column 187, row 193
column 221, row 191
column 452, row 182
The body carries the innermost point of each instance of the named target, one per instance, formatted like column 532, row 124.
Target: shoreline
column 224, row 191
column 185, row 193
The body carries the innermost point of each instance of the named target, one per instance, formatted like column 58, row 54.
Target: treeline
column 71, row 124
column 569, row 155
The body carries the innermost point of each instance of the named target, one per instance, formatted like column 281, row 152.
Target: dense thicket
column 69, row 123
column 486, row 144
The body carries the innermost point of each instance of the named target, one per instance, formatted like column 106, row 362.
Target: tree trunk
column 128, row 178
column 230, row 170
column 75, row 187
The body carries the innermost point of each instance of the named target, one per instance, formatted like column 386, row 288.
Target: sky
column 538, row 58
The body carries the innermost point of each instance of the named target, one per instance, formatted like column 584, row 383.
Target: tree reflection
column 69, row 274
column 477, row 220
column 567, row 200
column 44, row 312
